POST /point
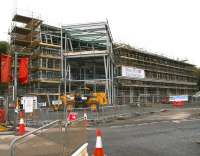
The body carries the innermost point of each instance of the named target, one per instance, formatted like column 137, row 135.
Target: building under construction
column 67, row 58
column 42, row 44
column 150, row 76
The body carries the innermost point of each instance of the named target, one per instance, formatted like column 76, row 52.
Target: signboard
column 29, row 103
column 56, row 102
column 178, row 98
column 72, row 116
column 132, row 72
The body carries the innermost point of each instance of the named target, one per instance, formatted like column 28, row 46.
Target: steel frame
column 96, row 34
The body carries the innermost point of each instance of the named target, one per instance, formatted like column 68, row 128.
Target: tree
column 4, row 47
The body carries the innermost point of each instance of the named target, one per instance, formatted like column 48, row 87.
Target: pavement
column 5, row 144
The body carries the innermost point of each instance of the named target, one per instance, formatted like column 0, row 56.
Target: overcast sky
column 167, row 27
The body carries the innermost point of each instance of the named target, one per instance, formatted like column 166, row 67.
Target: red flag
column 23, row 70
column 5, row 67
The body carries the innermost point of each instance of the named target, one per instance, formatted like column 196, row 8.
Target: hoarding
column 132, row 72
column 178, row 98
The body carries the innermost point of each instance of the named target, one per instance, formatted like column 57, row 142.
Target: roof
column 90, row 32
column 128, row 47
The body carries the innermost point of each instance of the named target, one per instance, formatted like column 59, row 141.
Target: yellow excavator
column 82, row 98
column 68, row 101
column 87, row 98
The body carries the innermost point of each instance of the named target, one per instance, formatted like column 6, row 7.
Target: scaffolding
column 163, row 76
column 42, row 44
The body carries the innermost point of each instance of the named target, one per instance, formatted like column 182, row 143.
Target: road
column 165, row 133
column 167, row 138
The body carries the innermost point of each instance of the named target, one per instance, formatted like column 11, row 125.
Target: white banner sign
column 133, row 72
column 178, row 98
column 29, row 103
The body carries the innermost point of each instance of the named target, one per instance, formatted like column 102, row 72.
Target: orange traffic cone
column 99, row 151
column 21, row 130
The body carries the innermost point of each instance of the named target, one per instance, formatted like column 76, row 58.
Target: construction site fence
column 40, row 117
column 124, row 105
column 103, row 112
column 54, row 139
column 150, row 100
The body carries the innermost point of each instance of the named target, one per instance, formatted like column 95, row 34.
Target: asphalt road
column 165, row 133
column 167, row 138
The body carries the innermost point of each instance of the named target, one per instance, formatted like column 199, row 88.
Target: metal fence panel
column 53, row 139
column 42, row 141
column 41, row 117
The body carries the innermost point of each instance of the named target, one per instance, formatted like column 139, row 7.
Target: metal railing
column 40, row 117
column 33, row 135
column 53, row 139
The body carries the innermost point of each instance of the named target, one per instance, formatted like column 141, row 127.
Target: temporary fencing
column 149, row 100
column 53, row 139
column 140, row 100
column 40, row 117
column 44, row 116
column 103, row 113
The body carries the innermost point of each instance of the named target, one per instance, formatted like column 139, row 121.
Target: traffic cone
column 99, row 151
column 85, row 118
column 21, row 130
column 85, row 115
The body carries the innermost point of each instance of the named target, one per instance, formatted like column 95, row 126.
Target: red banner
column 23, row 70
column 5, row 66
